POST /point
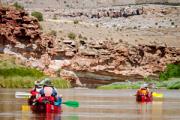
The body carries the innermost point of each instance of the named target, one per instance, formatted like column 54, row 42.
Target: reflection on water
column 96, row 105
column 150, row 110
column 49, row 116
column 157, row 110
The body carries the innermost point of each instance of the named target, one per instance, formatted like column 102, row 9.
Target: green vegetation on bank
column 38, row 15
column 28, row 82
column 16, row 76
column 172, row 70
column 169, row 79
column 18, row 6
column 173, row 83
column 122, row 85
column 20, row 71
column 13, row 75
column 17, row 82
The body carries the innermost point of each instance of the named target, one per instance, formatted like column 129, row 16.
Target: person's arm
column 41, row 92
column 54, row 92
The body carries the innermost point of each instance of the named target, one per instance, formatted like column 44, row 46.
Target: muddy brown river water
column 96, row 105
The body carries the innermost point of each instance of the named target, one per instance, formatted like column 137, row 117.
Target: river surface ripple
column 96, row 105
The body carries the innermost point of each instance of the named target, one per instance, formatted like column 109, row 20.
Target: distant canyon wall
column 82, row 3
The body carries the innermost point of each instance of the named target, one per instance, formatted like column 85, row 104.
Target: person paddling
column 48, row 89
column 48, row 92
column 144, row 90
column 34, row 92
column 143, row 94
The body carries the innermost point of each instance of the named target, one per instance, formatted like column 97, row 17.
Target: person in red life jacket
column 34, row 93
column 48, row 92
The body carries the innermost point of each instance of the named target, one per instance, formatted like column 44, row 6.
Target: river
column 96, row 105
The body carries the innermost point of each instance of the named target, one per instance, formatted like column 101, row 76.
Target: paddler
column 144, row 90
column 48, row 92
column 35, row 92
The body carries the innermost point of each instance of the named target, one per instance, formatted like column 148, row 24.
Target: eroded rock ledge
column 126, row 60
column 22, row 33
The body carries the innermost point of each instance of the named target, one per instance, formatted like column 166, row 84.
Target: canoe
column 45, row 108
column 144, row 98
column 45, row 105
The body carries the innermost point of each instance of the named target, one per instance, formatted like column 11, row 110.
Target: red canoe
column 44, row 105
column 46, row 108
column 144, row 98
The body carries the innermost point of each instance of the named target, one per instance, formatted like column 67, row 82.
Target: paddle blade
column 159, row 95
column 22, row 95
column 25, row 108
column 73, row 104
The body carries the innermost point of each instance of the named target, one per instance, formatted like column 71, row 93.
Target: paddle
column 22, row 95
column 25, row 107
column 69, row 103
column 159, row 95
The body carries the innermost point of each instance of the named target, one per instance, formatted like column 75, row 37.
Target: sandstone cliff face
column 22, row 33
column 99, row 59
column 121, row 60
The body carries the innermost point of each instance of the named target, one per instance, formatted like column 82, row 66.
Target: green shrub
column 18, row 6
column 72, row 36
column 61, row 83
column 38, row 15
column 172, row 70
column 76, row 21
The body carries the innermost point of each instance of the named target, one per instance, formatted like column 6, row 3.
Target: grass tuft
column 61, row 83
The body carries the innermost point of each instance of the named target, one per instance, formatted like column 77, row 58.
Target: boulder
column 71, row 76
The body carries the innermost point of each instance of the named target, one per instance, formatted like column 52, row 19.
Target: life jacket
column 48, row 91
column 143, row 91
